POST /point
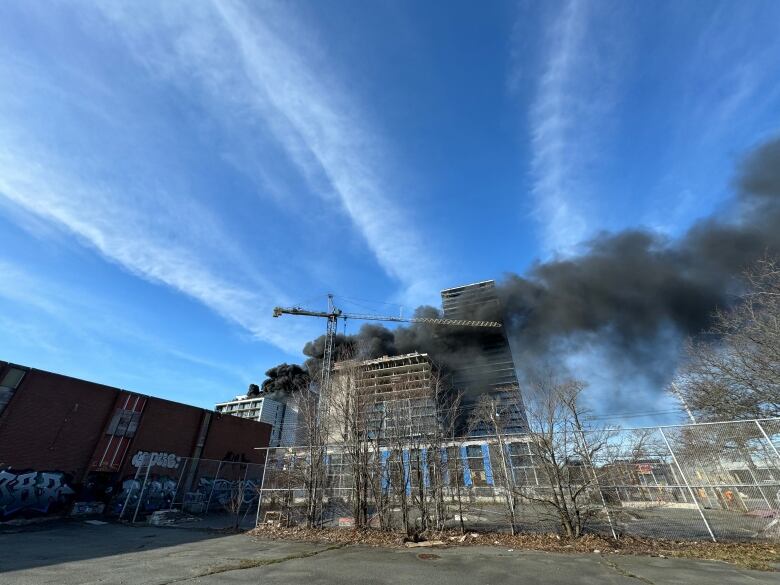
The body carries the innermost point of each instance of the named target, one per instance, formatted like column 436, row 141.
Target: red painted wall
column 53, row 422
column 165, row 427
column 236, row 438
column 113, row 447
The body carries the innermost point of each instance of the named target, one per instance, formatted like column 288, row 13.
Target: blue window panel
column 466, row 468
column 426, row 471
column 385, row 471
column 407, row 472
column 486, row 460
column 444, row 460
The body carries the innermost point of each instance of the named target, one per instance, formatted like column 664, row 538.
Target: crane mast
column 333, row 314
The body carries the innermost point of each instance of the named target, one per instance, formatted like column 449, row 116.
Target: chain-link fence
column 718, row 481
column 196, row 487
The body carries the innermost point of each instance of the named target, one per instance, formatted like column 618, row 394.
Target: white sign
column 168, row 460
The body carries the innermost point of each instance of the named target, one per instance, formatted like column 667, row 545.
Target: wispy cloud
column 87, row 318
column 77, row 333
column 140, row 232
column 262, row 63
column 568, row 115
column 726, row 97
column 259, row 73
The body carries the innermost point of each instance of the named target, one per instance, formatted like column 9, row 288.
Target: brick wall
column 165, row 427
column 53, row 422
column 235, row 438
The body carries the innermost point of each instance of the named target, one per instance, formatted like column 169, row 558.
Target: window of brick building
column 12, row 378
column 124, row 423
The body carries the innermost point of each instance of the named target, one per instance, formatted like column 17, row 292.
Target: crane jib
column 336, row 314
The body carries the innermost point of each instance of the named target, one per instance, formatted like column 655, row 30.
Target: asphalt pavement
column 68, row 553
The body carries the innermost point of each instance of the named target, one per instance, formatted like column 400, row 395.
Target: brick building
column 61, row 437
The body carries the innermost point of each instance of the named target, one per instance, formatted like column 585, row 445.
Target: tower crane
column 333, row 314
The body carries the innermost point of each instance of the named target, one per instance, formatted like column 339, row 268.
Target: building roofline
column 244, row 400
column 383, row 359
column 444, row 290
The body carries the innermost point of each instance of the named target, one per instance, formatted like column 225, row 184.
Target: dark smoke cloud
column 448, row 347
column 344, row 346
column 281, row 381
column 632, row 284
column 628, row 299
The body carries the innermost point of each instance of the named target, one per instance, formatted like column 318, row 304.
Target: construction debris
column 170, row 517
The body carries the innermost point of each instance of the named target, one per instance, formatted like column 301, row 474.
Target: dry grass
column 753, row 555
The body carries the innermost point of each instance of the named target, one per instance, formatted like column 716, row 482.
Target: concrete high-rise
column 282, row 415
column 395, row 396
column 491, row 371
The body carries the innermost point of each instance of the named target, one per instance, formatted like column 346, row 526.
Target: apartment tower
column 492, row 369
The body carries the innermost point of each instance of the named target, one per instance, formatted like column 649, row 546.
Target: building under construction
column 491, row 370
column 388, row 397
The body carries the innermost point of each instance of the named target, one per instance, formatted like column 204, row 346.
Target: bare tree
column 562, row 455
column 237, row 490
column 312, row 432
column 398, row 460
column 491, row 415
column 447, row 403
column 734, row 370
column 378, row 474
column 348, row 412
column 451, row 413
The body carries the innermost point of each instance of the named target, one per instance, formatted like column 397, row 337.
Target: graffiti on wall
column 33, row 491
column 221, row 491
column 167, row 460
column 157, row 494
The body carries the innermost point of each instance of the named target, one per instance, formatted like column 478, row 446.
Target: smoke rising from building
column 630, row 297
column 632, row 290
column 281, row 381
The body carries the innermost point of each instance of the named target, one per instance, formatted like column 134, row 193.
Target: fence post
column 178, row 483
column 685, row 479
column 768, row 440
column 598, row 485
column 130, row 491
column 143, row 487
column 262, row 483
column 242, row 487
column 213, row 485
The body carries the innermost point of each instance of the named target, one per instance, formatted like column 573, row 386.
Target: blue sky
column 170, row 171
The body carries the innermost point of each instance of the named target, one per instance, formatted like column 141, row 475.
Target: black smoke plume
column 281, row 381
column 630, row 289
column 630, row 297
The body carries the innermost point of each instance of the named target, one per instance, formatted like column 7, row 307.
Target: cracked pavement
column 74, row 553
